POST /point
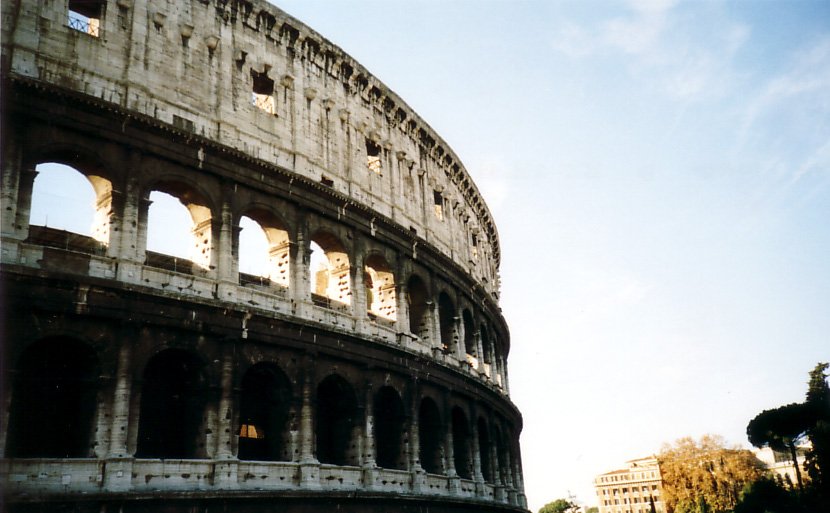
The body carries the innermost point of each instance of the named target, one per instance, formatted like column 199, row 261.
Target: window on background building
column 85, row 16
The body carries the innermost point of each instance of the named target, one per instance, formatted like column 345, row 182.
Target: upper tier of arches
column 245, row 75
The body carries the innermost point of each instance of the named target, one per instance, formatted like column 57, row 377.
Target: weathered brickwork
column 376, row 380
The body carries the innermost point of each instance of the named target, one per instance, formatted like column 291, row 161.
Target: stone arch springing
column 264, row 247
column 431, row 437
column 390, row 429
column 337, row 422
column 179, row 233
column 379, row 281
column 330, row 270
column 484, row 450
column 71, row 207
column 264, row 409
column 446, row 319
column 470, row 342
column 461, row 444
column 54, row 394
column 417, row 296
column 172, row 406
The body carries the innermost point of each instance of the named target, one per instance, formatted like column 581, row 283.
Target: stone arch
column 337, row 422
column 264, row 411
column 271, row 262
column 200, row 233
column 81, row 221
column 379, row 281
column 431, row 436
column 330, row 269
column 390, row 429
column 446, row 320
column 54, row 394
column 461, row 443
column 173, row 399
column 485, row 450
column 417, row 298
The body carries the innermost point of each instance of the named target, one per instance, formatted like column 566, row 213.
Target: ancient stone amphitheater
column 361, row 368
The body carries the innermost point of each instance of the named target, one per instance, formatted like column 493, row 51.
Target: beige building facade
column 632, row 489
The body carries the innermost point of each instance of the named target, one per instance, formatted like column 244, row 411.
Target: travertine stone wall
column 192, row 64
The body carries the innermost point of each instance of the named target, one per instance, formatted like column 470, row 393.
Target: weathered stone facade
column 133, row 381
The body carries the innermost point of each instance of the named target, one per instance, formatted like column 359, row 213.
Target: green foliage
column 765, row 496
column 782, row 428
column 560, row 506
column 592, row 509
column 818, row 458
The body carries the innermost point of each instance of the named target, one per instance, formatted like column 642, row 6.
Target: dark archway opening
column 264, row 408
column 430, row 436
column 336, row 422
column 53, row 401
column 446, row 318
column 417, row 299
column 461, row 444
column 484, row 449
column 390, row 423
column 172, row 404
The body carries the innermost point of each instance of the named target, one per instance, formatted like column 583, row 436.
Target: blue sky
column 660, row 176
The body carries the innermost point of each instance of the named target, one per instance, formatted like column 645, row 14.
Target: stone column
column 498, row 493
column 25, row 186
column 300, row 256
column 454, row 481
column 368, row 463
column 227, row 270
column 419, row 483
column 480, row 349
column 478, row 477
column 119, row 461
column 309, row 465
column 227, row 466
column 12, row 176
column 401, row 307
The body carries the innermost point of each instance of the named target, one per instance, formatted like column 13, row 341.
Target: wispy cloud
column 660, row 49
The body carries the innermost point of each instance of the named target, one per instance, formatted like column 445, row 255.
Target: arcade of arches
column 60, row 394
column 320, row 269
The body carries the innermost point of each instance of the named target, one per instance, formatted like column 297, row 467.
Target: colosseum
column 361, row 367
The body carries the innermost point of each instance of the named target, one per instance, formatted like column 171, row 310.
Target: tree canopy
column 705, row 474
column 560, row 506
column 782, row 429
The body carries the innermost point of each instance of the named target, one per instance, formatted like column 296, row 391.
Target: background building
column 631, row 489
column 363, row 365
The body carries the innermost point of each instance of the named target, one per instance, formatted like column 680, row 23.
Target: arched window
column 337, row 422
column 446, row 318
column 390, row 426
column 179, row 229
column 484, row 450
column 380, row 288
column 417, row 300
column 330, row 269
column 264, row 408
column 70, row 209
column 470, row 342
column 263, row 249
column 172, row 405
column 53, row 400
column 461, row 444
column 431, row 437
